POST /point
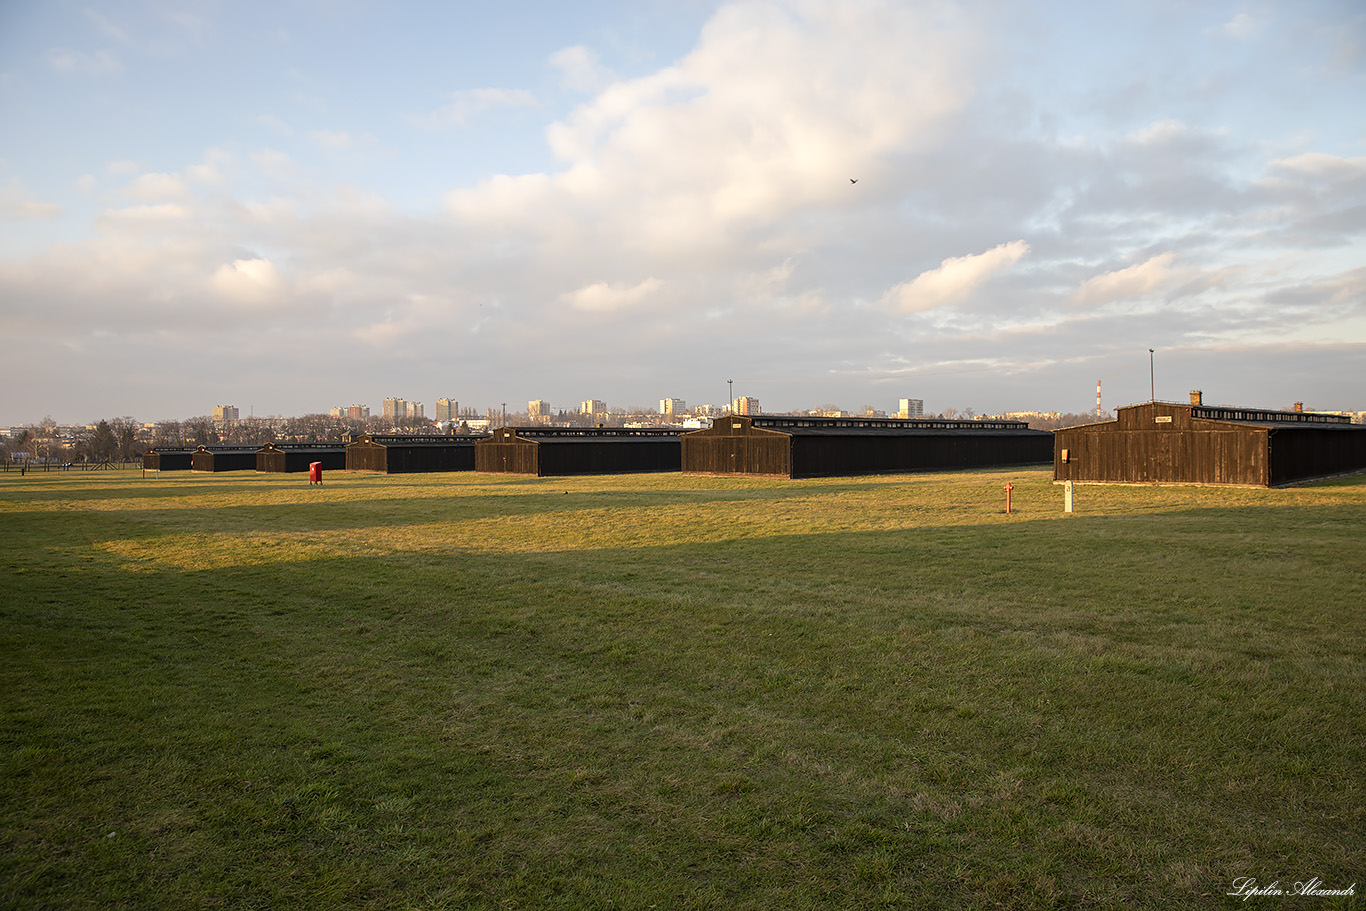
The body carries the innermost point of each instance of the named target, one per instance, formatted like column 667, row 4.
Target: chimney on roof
column 1299, row 406
column 1197, row 397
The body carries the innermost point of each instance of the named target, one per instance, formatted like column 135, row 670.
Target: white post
column 1067, row 496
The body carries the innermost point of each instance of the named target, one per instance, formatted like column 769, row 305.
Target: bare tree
column 200, row 431
column 126, row 432
column 42, row 442
column 249, row 431
column 100, row 444
column 168, row 435
column 1067, row 420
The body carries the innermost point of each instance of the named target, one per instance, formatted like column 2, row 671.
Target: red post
column 1009, row 488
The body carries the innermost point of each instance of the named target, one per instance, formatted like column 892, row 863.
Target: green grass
column 465, row 691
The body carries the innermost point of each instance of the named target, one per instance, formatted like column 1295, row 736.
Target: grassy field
column 459, row 691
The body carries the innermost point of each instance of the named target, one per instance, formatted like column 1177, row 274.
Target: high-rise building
column 745, row 404
column 538, row 409
column 447, row 410
column 338, row 412
column 395, row 410
column 358, row 412
column 225, row 414
column 593, row 406
column 672, row 406
column 412, row 410
column 911, row 408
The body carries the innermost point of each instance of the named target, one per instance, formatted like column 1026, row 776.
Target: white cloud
column 504, row 201
column 773, row 112
column 330, row 139
column 468, row 104
column 580, row 70
column 18, row 202
column 158, row 186
column 274, row 163
column 107, row 27
column 954, row 280
column 66, row 60
column 337, row 140
column 194, row 27
column 275, row 124
column 1327, row 167
column 1242, row 27
column 764, row 285
column 252, row 282
column 149, row 213
column 1138, row 280
column 600, row 297
column 204, row 174
column 275, row 211
column 1160, row 132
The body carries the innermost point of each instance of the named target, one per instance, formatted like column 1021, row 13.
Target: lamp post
column 730, row 385
column 1152, row 389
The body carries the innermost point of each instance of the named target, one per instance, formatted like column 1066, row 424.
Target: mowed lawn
column 653, row 691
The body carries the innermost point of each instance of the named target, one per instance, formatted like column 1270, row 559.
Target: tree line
column 124, row 439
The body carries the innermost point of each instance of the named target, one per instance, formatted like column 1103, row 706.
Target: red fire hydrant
column 1009, row 488
column 315, row 473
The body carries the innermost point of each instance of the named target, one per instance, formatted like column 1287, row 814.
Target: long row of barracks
column 762, row 445
column 1156, row 442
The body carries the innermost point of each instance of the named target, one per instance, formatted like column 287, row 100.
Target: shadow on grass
column 1090, row 712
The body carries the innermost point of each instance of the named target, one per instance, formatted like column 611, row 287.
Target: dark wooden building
column 223, row 458
column 550, row 451
column 296, row 457
column 807, row 447
column 392, row 453
column 167, row 459
column 1162, row 442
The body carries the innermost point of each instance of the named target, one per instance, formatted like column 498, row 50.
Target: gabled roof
column 1263, row 416
column 798, row 425
column 1231, row 414
column 584, row 434
column 397, row 440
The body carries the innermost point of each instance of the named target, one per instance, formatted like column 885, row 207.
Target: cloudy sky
column 298, row 204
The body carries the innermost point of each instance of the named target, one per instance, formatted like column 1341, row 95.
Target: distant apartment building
column 910, row 408
column 338, row 412
column 225, row 414
column 1031, row 415
column 672, row 407
column 358, row 412
column 593, row 406
column 413, row 410
column 538, row 409
column 745, row 404
column 447, row 410
column 395, row 410
column 1356, row 417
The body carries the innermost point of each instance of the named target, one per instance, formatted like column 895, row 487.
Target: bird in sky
column 853, row 180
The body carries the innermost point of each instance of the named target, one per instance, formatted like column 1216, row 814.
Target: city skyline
column 982, row 205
